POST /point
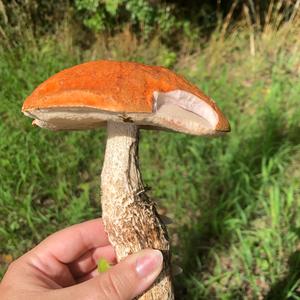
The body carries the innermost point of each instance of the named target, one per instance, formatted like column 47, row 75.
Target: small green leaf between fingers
column 103, row 265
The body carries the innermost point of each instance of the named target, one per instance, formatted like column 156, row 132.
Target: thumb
column 124, row 281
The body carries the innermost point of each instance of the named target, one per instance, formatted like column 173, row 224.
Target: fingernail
column 149, row 263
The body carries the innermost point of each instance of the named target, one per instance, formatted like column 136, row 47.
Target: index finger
column 70, row 243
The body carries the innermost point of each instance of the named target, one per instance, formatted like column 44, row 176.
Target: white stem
column 129, row 216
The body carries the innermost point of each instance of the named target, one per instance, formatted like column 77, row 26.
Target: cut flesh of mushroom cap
column 159, row 99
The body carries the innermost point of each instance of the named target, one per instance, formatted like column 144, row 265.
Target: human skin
column 64, row 266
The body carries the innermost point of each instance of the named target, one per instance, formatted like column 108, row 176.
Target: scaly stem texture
column 129, row 216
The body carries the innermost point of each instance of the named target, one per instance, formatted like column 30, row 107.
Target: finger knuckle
column 110, row 287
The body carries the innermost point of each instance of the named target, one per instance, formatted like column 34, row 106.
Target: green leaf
column 103, row 265
column 112, row 6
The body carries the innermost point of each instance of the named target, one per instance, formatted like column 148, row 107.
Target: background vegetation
column 234, row 200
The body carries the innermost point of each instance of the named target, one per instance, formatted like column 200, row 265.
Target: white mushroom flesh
column 177, row 110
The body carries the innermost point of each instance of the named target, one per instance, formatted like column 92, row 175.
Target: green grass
column 234, row 200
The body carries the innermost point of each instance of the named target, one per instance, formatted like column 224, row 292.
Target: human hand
column 64, row 266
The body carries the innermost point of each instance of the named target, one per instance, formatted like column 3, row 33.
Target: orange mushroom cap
column 118, row 87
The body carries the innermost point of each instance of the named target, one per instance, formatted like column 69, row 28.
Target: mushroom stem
column 129, row 215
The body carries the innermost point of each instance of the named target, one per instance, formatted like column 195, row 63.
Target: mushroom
column 124, row 97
